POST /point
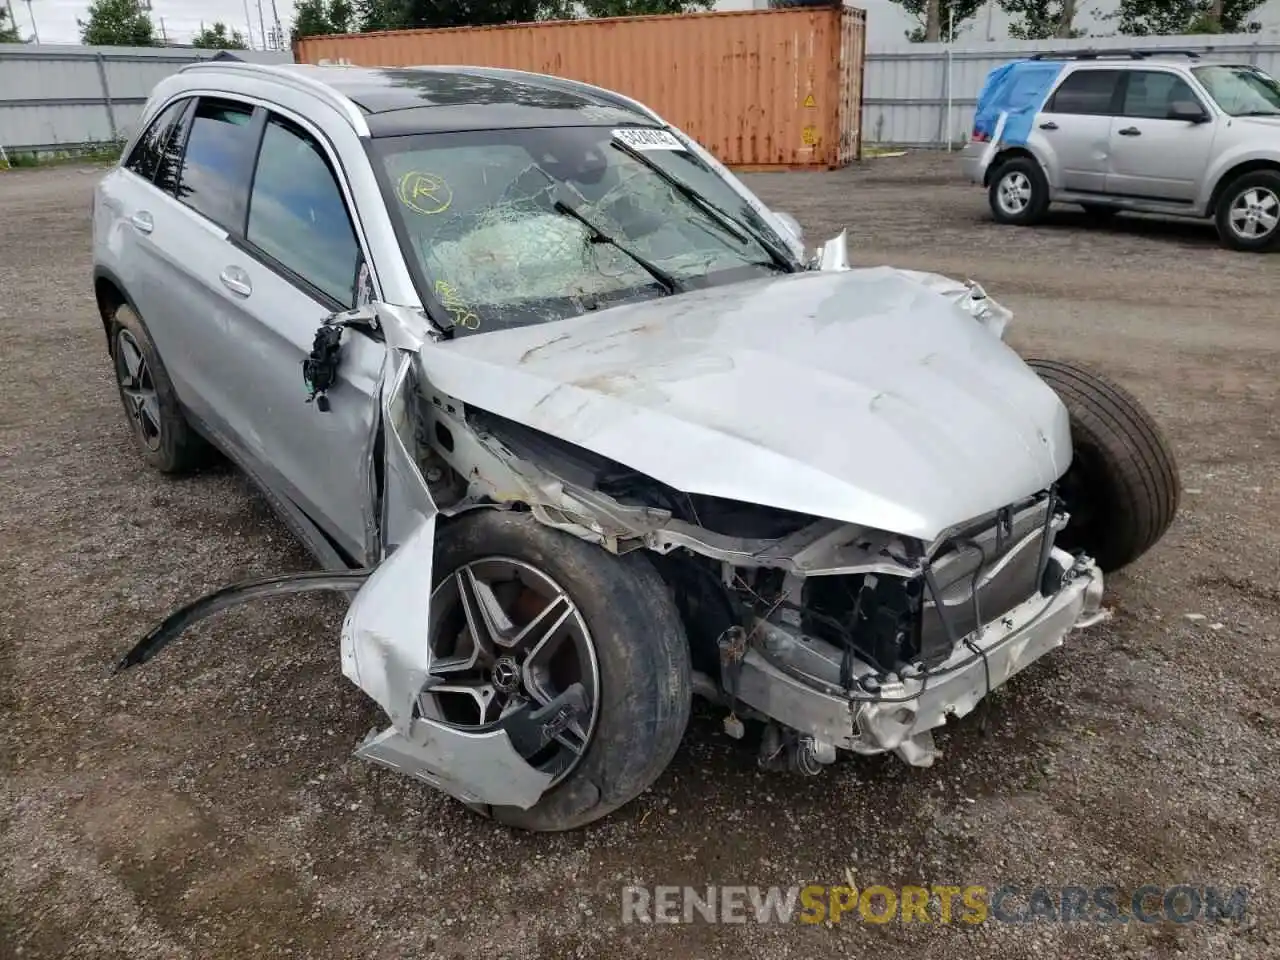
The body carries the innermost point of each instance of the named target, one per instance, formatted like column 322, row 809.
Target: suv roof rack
column 1132, row 54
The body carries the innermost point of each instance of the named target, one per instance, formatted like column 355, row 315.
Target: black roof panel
column 406, row 100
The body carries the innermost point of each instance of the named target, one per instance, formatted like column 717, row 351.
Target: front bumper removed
column 783, row 679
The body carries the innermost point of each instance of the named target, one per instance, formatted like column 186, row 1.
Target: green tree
column 217, row 37
column 314, row 17
column 937, row 18
column 8, row 24
column 1042, row 19
column 117, row 23
column 1141, row 18
column 402, row 14
column 643, row 8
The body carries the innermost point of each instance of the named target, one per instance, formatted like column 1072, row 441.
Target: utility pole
column 34, row 32
column 248, row 22
column 262, row 26
column 279, row 34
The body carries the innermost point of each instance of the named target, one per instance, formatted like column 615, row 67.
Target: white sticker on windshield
column 647, row 138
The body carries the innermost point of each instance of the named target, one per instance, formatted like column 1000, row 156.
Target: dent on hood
column 876, row 396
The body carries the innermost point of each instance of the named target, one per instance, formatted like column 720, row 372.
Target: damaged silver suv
column 587, row 430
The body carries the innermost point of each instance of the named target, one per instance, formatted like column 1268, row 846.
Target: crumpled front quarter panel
column 861, row 396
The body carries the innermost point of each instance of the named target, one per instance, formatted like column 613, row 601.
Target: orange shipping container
column 761, row 89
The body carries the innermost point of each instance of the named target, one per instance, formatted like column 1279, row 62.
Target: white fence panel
column 57, row 97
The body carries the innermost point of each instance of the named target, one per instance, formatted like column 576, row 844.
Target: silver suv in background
column 1151, row 132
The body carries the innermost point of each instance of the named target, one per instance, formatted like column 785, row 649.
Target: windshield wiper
column 563, row 203
column 1259, row 113
column 733, row 225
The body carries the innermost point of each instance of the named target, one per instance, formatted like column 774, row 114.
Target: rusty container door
column 852, row 58
column 760, row 89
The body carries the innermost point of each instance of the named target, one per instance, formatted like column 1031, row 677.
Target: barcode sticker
column 647, row 138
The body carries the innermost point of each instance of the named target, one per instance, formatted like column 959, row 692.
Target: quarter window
column 217, row 162
column 297, row 215
column 1086, row 92
column 1152, row 93
column 171, row 152
column 144, row 160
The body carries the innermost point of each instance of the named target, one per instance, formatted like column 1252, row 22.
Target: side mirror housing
column 1187, row 110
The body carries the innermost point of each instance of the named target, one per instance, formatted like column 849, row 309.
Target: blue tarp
column 1018, row 89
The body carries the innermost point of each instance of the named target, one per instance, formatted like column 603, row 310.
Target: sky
column 886, row 23
column 55, row 20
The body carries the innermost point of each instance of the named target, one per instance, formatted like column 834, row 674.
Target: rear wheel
column 1122, row 488
column 521, row 612
column 1248, row 214
column 160, row 430
column 1019, row 192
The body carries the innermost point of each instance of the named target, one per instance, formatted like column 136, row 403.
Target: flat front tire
column 1122, row 488
column 593, row 618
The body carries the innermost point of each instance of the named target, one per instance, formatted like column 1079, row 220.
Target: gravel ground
column 206, row 805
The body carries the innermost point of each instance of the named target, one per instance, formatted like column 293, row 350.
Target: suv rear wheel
column 1248, row 212
column 160, row 431
column 1019, row 192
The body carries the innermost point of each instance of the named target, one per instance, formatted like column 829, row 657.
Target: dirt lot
column 207, row 805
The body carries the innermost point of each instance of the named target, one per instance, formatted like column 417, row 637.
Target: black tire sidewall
column 180, row 448
column 1039, row 202
column 1134, row 487
column 641, row 651
column 1222, row 216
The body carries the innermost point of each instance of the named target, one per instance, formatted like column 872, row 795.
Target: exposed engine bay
column 815, row 627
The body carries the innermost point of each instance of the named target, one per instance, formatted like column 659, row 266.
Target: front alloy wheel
column 523, row 615
column 506, row 634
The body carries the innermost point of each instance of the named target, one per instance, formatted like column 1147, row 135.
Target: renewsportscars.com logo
column 937, row 903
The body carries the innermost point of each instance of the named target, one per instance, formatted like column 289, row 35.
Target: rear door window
column 144, row 159
column 218, row 161
column 1088, row 92
column 1152, row 93
column 297, row 215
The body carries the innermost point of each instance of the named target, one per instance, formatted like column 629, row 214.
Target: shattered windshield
column 513, row 227
column 1241, row 91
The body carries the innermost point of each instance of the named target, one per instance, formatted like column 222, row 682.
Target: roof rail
column 284, row 73
column 1139, row 53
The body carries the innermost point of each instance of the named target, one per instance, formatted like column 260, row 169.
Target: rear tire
column 1122, row 489
column 163, row 437
column 1248, row 214
column 642, row 655
column 1019, row 192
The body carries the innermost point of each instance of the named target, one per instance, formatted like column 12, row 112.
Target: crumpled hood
column 859, row 396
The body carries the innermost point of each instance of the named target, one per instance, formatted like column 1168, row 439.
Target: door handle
column 236, row 280
column 1130, row 132
column 142, row 222
column 1048, row 125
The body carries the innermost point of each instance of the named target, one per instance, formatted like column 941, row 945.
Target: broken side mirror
column 834, row 254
